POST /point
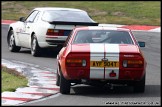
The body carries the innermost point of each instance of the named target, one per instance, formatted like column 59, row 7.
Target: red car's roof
column 101, row 28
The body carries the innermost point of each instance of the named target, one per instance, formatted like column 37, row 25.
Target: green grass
column 11, row 80
column 110, row 12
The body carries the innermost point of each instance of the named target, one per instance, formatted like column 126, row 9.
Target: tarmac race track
column 87, row 95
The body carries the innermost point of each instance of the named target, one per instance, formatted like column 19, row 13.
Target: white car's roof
column 56, row 8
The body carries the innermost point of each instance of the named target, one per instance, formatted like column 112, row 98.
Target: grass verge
column 109, row 12
column 11, row 80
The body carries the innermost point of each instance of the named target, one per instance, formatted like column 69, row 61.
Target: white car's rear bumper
column 52, row 41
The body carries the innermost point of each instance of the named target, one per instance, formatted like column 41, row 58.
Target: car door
column 26, row 35
column 19, row 30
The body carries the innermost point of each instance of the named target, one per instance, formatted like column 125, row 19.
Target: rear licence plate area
column 104, row 64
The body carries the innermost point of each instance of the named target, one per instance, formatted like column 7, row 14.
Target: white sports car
column 45, row 27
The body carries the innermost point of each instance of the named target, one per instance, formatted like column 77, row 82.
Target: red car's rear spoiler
column 74, row 23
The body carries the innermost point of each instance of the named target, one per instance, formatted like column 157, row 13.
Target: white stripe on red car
column 96, row 54
column 100, row 69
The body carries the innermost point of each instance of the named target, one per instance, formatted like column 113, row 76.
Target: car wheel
column 64, row 85
column 139, row 87
column 11, row 43
column 35, row 49
column 57, row 79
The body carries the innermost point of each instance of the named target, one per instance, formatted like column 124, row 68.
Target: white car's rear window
column 66, row 15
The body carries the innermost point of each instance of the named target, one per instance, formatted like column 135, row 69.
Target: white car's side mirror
column 22, row 19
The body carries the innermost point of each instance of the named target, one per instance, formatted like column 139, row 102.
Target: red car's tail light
column 55, row 32
column 133, row 63
column 75, row 62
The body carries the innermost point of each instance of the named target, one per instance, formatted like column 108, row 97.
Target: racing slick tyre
column 11, row 42
column 139, row 87
column 35, row 49
column 64, row 85
column 57, row 79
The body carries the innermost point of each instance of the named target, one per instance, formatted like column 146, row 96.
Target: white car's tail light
column 55, row 32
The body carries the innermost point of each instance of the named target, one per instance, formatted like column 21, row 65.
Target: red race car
column 101, row 55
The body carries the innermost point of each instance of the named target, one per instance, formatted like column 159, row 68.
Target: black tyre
column 64, row 85
column 57, row 79
column 11, row 42
column 35, row 49
column 139, row 87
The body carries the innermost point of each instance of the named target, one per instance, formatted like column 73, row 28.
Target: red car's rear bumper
column 130, row 74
